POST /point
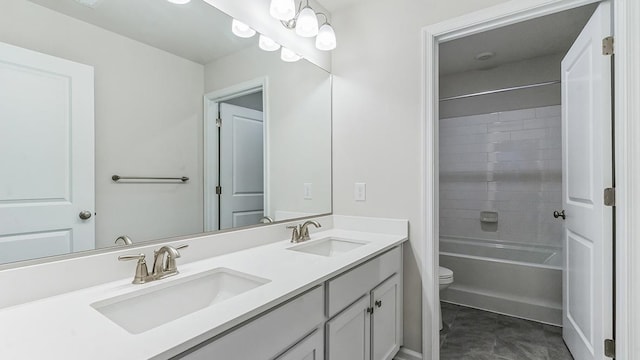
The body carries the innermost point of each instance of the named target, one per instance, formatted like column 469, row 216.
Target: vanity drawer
column 350, row 286
column 269, row 334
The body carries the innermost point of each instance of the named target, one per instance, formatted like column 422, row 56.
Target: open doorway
column 519, row 140
column 235, row 157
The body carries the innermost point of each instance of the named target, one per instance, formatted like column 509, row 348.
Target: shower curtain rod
column 501, row 90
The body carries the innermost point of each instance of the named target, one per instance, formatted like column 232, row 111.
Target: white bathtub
column 512, row 279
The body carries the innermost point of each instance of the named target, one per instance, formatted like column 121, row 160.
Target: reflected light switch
column 360, row 192
column 307, row 191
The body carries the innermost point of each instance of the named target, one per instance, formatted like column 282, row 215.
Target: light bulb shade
column 307, row 23
column 282, row 9
column 326, row 39
column 288, row 55
column 179, row 2
column 241, row 29
column 267, row 44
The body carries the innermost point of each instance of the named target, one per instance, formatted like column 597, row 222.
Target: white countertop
column 67, row 327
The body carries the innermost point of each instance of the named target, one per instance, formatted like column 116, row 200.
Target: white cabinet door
column 311, row 348
column 46, row 155
column 349, row 333
column 386, row 325
column 587, row 164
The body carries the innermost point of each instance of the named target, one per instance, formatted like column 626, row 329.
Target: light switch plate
column 308, row 191
column 360, row 192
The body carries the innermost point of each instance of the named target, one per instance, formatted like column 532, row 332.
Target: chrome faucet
column 125, row 240
column 304, row 229
column 300, row 233
column 161, row 268
column 266, row 220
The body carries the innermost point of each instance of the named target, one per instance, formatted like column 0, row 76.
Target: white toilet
column 445, row 279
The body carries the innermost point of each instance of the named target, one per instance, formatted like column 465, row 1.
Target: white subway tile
column 447, row 148
column 463, row 130
column 514, row 169
column 535, row 123
column 529, row 134
column 505, row 126
column 517, row 115
column 468, row 120
column 548, row 111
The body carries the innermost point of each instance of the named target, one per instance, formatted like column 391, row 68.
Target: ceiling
column 333, row 5
column 196, row 31
column 546, row 35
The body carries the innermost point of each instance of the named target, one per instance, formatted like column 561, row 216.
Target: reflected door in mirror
column 241, row 166
column 46, row 152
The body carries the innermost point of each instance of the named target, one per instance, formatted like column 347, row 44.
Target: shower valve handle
column 559, row 214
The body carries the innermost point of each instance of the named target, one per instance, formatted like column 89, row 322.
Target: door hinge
column 607, row 45
column 609, row 348
column 610, row 197
column 219, row 122
column 218, row 190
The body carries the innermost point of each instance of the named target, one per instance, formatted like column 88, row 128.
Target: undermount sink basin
column 328, row 247
column 146, row 309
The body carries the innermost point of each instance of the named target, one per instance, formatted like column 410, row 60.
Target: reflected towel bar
column 118, row 178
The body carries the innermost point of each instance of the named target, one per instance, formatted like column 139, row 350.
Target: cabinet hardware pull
column 370, row 310
column 379, row 303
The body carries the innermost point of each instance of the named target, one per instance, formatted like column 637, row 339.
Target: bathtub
column 507, row 278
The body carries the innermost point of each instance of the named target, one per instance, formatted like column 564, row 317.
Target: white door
column 46, row 155
column 349, row 333
column 241, row 166
column 587, row 171
column 386, row 325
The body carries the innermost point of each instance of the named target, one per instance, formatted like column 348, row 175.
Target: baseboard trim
column 406, row 354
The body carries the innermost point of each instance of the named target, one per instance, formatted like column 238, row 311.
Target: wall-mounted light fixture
column 179, row 2
column 304, row 22
column 289, row 55
column 265, row 43
column 241, row 29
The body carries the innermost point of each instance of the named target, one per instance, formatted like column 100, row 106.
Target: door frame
column 627, row 156
column 210, row 160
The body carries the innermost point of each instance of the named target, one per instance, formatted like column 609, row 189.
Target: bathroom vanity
column 358, row 303
column 337, row 295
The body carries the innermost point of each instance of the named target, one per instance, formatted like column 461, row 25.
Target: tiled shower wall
column 509, row 162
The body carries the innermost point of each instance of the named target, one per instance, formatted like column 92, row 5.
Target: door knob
column 84, row 215
column 559, row 214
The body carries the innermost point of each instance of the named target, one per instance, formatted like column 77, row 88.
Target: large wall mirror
column 149, row 120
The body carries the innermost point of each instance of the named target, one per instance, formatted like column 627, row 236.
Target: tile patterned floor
column 471, row 334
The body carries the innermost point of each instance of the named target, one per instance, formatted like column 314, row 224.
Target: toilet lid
column 444, row 273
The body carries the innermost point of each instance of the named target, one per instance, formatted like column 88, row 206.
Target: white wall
column 298, row 126
column 532, row 71
column 509, row 162
column 377, row 120
column 148, row 113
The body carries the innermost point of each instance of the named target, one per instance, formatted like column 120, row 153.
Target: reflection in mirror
column 89, row 90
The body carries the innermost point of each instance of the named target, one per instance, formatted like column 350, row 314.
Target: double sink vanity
column 338, row 294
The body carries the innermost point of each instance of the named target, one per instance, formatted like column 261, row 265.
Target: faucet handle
column 142, row 273
column 139, row 257
column 183, row 246
column 295, row 235
column 171, row 261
